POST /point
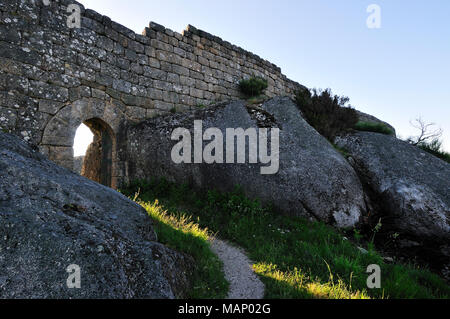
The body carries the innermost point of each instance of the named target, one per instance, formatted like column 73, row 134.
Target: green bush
column 326, row 112
column 374, row 127
column 435, row 147
column 253, row 87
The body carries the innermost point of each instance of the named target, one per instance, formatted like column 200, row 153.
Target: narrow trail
column 244, row 283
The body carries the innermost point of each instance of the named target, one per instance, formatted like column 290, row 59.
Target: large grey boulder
column 51, row 218
column 410, row 187
column 313, row 180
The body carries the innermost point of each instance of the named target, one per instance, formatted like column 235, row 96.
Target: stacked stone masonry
column 53, row 78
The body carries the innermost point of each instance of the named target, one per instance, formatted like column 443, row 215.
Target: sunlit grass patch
column 181, row 222
column 179, row 232
column 296, row 284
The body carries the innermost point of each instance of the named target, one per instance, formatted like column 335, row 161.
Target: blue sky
column 397, row 73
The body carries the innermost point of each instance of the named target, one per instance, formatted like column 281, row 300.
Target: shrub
column 374, row 127
column 253, row 87
column 326, row 112
column 435, row 147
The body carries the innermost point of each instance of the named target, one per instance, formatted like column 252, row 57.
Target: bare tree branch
column 425, row 133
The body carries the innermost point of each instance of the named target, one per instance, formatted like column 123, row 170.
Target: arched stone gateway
column 104, row 118
column 97, row 164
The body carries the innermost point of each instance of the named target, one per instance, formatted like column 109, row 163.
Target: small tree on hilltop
column 429, row 140
column 426, row 135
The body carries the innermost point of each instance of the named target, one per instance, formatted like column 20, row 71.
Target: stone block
column 50, row 107
column 196, row 93
column 164, row 106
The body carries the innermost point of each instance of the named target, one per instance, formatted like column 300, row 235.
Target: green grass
column 179, row 232
column 294, row 258
column 373, row 127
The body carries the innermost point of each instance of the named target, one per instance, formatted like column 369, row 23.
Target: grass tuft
column 374, row 127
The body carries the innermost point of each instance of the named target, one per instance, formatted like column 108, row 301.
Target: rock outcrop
column 313, row 180
column 364, row 117
column 409, row 188
column 51, row 218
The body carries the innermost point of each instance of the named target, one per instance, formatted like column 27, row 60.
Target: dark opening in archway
column 97, row 162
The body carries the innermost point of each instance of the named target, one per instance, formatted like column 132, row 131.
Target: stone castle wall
column 53, row 78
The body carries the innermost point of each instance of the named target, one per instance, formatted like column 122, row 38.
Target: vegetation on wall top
column 253, row 87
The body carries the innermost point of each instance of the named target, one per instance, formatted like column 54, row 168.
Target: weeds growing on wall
column 295, row 258
column 253, row 87
column 327, row 113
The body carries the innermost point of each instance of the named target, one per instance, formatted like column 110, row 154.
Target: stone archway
column 97, row 163
column 104, row 118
